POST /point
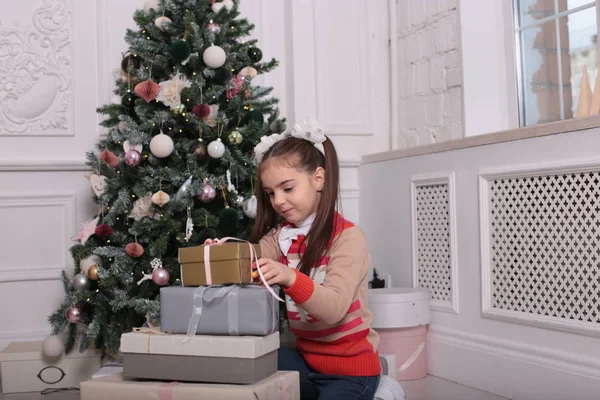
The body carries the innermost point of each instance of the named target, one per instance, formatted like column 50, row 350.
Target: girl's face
column 294, row 193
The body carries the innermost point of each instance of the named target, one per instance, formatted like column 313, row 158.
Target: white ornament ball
column 53, row 347
column 250, row 207
column 228, row 4
column 216, row 148
column 86, row 263
column 151, row 4
column 161, row 145
column 162, row 23
column 214, row 57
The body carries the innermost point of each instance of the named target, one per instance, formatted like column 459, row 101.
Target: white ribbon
column 204, row 295
column 288, row 234
column 310, row 131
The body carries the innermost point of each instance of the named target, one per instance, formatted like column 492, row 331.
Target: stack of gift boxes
column 219, row 336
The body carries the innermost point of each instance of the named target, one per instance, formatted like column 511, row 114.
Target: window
column 555, row 40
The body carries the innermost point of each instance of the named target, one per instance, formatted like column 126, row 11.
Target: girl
column 321, row 261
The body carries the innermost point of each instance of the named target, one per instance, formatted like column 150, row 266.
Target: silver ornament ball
column 163, row 23
column 238, row 201
column 250, row 207
column 81, row 282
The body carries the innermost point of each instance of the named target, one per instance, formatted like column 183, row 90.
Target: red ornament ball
column 134, row 250
column 201, row 110
column 103, row 231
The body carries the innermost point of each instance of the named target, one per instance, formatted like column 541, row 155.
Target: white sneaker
column 389, row 389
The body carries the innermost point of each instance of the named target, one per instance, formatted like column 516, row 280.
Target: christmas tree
column 175, row 168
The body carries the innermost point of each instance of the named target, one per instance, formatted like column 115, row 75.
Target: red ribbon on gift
column 252, row 257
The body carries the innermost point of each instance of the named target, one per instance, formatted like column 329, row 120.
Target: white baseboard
column 511, row 369
column 7, row 338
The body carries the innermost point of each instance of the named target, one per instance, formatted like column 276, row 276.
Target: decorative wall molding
column 67, row 202
column 320, row 74
column 30, row 274
column 349, row 163
column 349, row 193
column 105, row 81
column 546, row 275
column 36, row 93
column 43, row 165
column 528, row 353
column 357, row 116
column 434, row 249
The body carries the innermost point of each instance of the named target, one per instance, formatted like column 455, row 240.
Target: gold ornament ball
column 199, row 149
column 235, row 137
column 93, row 273
column 180, row 109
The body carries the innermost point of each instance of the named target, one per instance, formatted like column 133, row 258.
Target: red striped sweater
column 328, row 311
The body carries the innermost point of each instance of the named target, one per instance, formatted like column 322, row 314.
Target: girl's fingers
column 275, row 280
column 270, row 274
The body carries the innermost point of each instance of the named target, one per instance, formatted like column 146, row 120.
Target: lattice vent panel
column 433, row 240
column 545, row 245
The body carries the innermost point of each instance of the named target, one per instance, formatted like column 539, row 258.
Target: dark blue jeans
column 315, row 386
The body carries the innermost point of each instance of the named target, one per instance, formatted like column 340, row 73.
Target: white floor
column 430, row 388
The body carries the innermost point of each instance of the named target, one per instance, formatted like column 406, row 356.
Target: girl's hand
column 275, row 272
column 211, row 241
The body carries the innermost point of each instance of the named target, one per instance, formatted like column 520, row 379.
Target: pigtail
column 321, row 231
column 266, row 217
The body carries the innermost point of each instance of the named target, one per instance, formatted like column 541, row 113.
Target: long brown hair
column 303, row 155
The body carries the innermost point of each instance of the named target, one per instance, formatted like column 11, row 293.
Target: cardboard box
column 25, row 368
column 217, row 359
column 245, row 310
column 283, row 385
column 229, row 263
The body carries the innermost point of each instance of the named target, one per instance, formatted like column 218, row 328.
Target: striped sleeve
column 348, row 265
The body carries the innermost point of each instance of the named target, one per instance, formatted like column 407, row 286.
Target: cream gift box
column 283, row 385
column 202, row 358
column 26, row 369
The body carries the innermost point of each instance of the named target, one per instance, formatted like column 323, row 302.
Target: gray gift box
column 245, row 310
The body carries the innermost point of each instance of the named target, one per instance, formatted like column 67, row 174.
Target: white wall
column 533, row 356
column 429, row 72
column 51, row 123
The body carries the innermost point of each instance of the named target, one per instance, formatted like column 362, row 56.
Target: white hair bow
column 310, row 131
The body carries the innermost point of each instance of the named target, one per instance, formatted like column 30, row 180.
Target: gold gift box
column 229, row 263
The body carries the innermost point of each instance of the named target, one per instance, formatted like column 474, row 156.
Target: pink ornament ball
column 207, row 194
column 133, row 158
column 160, row 276
column 74, row 315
